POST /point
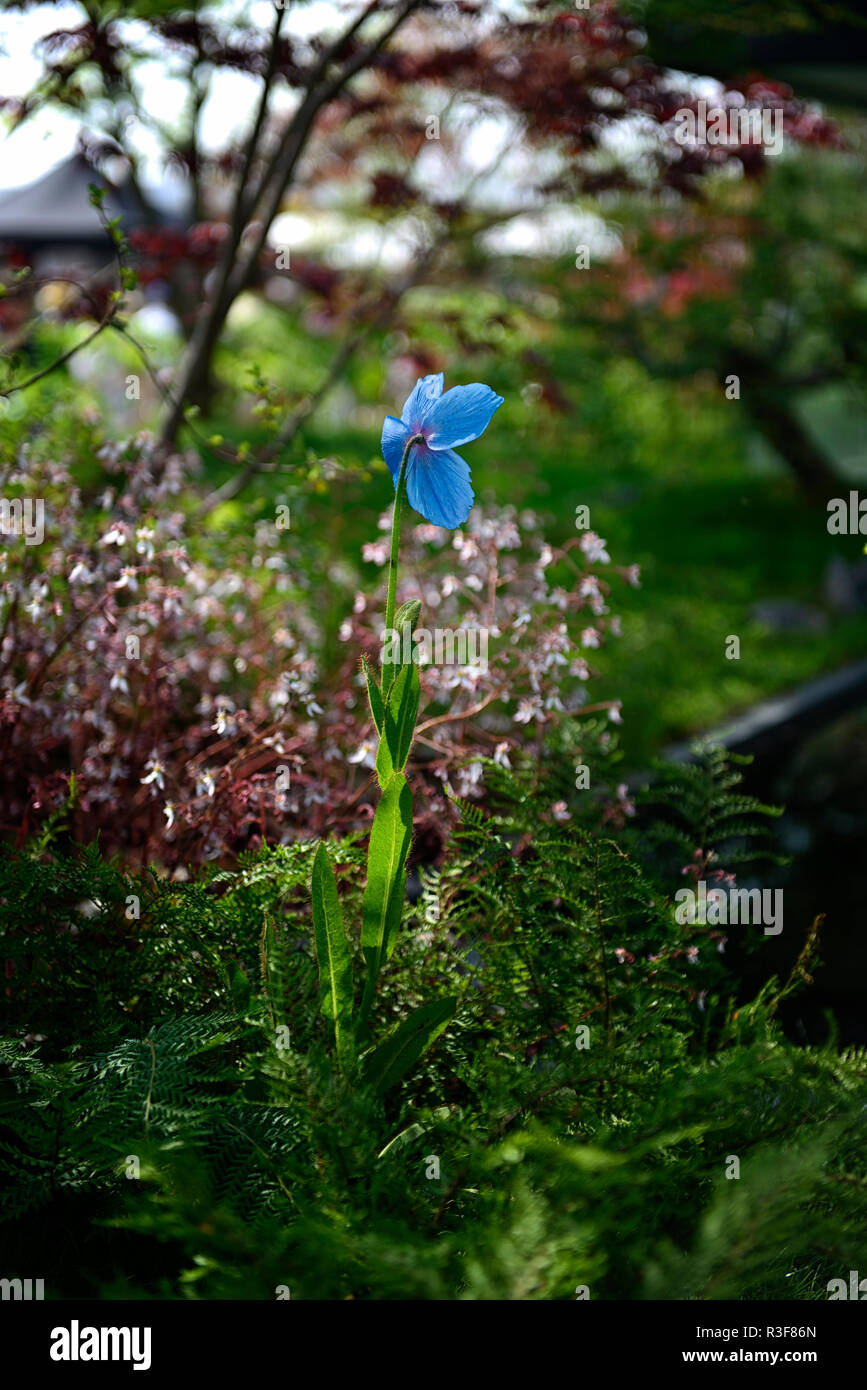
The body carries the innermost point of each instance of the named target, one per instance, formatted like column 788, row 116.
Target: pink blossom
column 594, row 548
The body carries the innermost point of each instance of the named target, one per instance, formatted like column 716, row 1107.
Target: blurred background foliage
column 614, row 375
column 541, row 909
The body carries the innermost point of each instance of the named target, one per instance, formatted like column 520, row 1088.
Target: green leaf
column 374, row 696
column 403, row 1046
column 414, row 1131
column 390, row 837
column 401, row 711
column 240, row 989
column 332, row 952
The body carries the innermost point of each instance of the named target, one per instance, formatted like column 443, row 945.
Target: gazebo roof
column 56, row 208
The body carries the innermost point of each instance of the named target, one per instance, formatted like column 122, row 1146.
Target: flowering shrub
column 497, row 577
column 183, row 678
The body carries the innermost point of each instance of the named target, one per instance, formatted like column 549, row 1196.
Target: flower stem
column 395, row 549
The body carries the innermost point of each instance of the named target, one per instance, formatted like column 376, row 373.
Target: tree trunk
column 768, row 399
column 780, row 425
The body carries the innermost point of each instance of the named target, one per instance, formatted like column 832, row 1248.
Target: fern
column 169, row 1102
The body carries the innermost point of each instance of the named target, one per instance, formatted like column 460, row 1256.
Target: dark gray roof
column 56, row 208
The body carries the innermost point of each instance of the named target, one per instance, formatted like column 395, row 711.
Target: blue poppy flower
column 438, row 479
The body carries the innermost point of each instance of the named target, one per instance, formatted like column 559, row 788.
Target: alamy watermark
column 77, row 1343
column 708, row 124
column 847, row 516
column 444, row 646
column 22, row 1290
column 857, row 1288
column 716, row 907
column 23, row 516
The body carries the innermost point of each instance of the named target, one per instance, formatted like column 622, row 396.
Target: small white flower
column 469, row 779
column 594, row 548
column 155, row 771
column 144, row 537
column 205, row 784
column 376, row 552
column 554, row 658
column 465, row 545
column 527, row 710
column 169, row 813
column 223, row 722
column 118, row 681
column 365, row 755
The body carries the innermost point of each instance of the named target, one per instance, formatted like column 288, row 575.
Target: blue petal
column 426, row 391
column 394, row 437
column 438, row 486
column 462, row 414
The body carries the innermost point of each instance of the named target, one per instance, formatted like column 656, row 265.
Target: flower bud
column 407, row 613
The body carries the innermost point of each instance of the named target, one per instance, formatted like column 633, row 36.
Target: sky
column 49, row 137
column 46, row 139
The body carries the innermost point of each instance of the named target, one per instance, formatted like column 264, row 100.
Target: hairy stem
column 395, row 548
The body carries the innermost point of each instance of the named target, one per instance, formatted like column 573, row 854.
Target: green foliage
column 573, row 1124
column 374, row 695
column 332, row 955
column 697, row 804
column 399, row 716
column 390, row 838
column 406, row 1043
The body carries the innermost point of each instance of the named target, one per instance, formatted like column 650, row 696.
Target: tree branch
column 236, row 274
